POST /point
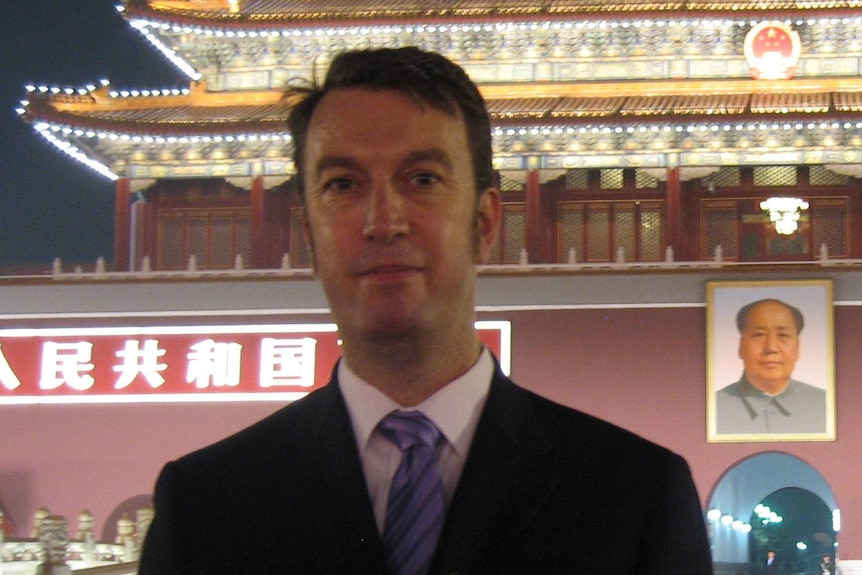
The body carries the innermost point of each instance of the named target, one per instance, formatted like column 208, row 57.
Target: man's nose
column 385, row 218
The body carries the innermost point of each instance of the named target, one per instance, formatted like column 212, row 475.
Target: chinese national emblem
column 772, row 50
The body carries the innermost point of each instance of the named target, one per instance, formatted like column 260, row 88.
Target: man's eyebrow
column 330, row 162
column 431, row 154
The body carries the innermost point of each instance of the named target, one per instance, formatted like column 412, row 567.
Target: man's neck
column 769, row 387
column 409, row 370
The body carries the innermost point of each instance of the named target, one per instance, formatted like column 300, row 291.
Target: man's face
column 769, row 347
column 392, row 214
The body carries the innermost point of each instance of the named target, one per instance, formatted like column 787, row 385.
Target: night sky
column 50, row 205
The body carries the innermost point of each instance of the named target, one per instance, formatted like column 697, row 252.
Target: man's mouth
column 389, row 271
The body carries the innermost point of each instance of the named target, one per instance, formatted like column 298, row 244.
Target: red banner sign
column 179, row 363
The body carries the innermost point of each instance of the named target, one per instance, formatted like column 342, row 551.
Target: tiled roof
column 713, row 104
column 586, row 107
column 157, row 117
column 282, row 11
column 168, row 119
column 848, row 101
column 790, row 103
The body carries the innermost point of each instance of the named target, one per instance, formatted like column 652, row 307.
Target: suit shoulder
column 807, row 389
column 568, row 424
column 732, row 390
column 288, row 426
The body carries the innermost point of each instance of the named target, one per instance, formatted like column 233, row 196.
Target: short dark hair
column 742, row 314
column 428, row 77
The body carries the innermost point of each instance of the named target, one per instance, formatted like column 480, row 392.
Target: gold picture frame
column 804, row 408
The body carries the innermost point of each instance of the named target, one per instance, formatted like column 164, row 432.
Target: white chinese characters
column 8, row 379
column 287, row 362
column 67, row 363
column 137, row 361
column 132, row 365
column 216, row 363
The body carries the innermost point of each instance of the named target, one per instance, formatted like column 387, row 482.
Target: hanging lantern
column 784, row 213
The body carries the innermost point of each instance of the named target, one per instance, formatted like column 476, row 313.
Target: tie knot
column 408, row 428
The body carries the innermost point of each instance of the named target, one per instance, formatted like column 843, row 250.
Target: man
column 771, row 563
column 766, row 399
column 393, row 155
column 827, row 567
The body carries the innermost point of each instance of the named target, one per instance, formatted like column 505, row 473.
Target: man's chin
column 399, row 331
column 383, row 326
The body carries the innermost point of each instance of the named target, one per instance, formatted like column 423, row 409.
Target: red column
column 257, row 225
column 122, row 214
column 533, row 217
column 853, row 217
column 674, row 215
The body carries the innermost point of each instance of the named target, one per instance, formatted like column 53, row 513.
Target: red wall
column 643, row 369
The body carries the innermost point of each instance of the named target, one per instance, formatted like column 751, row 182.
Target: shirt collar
column 756, row 401
column 453, row 409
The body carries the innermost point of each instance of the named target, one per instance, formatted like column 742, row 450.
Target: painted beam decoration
column 187, row 363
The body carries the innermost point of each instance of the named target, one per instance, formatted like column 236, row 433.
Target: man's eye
column 425, row 179
column 338, row 185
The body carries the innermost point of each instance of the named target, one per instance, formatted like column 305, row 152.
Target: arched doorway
column 743, row 487
column 797, row 525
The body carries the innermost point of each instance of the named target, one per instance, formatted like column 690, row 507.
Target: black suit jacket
column 545, row 490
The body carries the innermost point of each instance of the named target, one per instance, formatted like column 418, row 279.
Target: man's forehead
column 770, row 313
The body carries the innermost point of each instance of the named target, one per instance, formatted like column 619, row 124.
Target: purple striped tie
column 414, row 513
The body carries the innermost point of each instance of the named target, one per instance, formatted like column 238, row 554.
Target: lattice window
column 645, row 181
column 829, row 227
column 510, row 185
column 242, row 236
column 624, row 231
column 197, row 240
column 612, row 179
column 514, row 234
column 300, row 254
column 821, row 176
column 720, row 228
column 577, row 179
column 651, row 234
column 171, row 249
column 775, row 176
column 598, row 233
column 222, row 252
column 571, row 231
column 214, row 236
column 597, row 229
column 727, row 178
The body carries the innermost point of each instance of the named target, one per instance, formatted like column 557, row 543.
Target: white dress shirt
column 455, row 410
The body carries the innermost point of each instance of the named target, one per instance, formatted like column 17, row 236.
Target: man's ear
column 489, row 213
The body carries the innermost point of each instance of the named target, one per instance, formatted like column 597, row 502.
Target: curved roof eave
column 300, row 13
column 199, row 112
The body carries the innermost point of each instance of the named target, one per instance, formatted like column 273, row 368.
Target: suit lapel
column 491, row 497
column 346, row 517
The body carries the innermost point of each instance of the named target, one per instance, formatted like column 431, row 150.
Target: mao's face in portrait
column 769, row 347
